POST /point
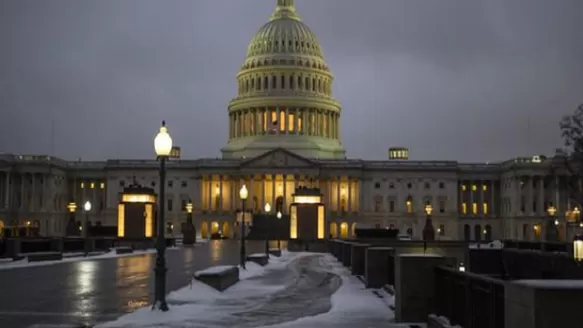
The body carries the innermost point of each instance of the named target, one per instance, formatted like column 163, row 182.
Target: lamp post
column 267, row 209
column 86, row 208
column 428, row 230
column 189, row 232
column 163, row 148
column 278, row 240
column 243, row 193
column 551, row 234
column 71, row 229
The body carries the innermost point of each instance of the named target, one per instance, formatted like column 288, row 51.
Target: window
column 464, row 188
column 441, row 206
column 82, row 185
column 391, row 185
column 409, row 185
column 485, row 208
column 169, row 203
column 183, row 204
column 464, row 208
column 377, row 204
column 441, row 185
column 92, row 185
column 484, row 187
column 441, row 230
column 377, row 185
column 170, row 183
column 474, row 187
column 409, row 204
column 427, row 185
column 122, row 183
column 102, row 185
column 392, row 206
column 153, row 184
column 474, row 208
column 184, row 184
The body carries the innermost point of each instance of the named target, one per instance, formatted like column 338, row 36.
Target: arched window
column 488, row 232
column 467, row 232
column 274, row 82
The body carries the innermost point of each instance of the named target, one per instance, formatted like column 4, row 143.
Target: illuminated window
column 82, row 185
column 409, row 204
column 102, row 185
column 464, row 208
column 474, row 187
column 474, row 208
column 92, row 185
column 484, row 187
column 463, row 187
column 485, row 208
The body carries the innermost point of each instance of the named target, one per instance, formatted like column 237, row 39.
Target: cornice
column 299, row 100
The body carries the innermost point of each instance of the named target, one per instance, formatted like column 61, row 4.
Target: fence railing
column 469, row 300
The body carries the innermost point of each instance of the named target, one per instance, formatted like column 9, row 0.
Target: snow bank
column 213, row 270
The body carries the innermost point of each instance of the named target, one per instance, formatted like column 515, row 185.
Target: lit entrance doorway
column 307, row 214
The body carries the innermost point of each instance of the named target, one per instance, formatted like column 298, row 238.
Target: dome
column 284, row 95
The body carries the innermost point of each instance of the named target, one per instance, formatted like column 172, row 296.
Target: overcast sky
column 450, row 79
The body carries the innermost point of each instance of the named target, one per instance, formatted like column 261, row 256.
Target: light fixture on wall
column 578, row 248
column 461, row 267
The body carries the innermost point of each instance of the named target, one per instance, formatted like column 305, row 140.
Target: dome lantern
column 285, row 9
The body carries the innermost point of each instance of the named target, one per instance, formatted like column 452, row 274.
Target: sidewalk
column 296, row 290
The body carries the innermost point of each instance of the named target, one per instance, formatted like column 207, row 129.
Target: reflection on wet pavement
column 91, row 291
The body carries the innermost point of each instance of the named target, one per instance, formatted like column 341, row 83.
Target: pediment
column 279, row 158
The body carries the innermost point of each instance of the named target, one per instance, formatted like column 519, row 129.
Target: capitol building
column 284, row 133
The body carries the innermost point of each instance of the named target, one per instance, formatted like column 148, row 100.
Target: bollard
column 346, row 253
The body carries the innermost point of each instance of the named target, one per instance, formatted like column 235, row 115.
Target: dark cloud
column 466, row 80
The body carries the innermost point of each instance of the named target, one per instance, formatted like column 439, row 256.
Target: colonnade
column 278, row 120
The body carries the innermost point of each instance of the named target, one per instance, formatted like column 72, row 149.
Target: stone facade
column 470, row 201
column 284, row 132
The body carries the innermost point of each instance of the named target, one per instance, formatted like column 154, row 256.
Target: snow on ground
column 72, row 257
column 352, row 306
column 199, row 305
column 202, row 302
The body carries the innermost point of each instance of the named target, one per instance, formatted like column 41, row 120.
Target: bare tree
column 571, row 158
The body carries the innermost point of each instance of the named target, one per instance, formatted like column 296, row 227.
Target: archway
column 1, row 228
column 204, row 229
column 477, row 232
column 537, row 231
column 333, row 230
column 467, row 232
column 214, row 228
column 353, row 230
column 343, row 230
column 226, row 229
column 279, row 204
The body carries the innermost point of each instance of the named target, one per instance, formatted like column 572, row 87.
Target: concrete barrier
column 219, row 277
column 346, row 257
column 376, row 272
column 124, row 250
column 358, row 258
column 44, row 256
column 260, row 258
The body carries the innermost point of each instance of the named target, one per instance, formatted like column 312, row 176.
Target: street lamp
column 278, row 215
column 188, row 230
column 267, row 209
column 86, row 208
column 552, row 224
column 71, row 226
column 163, row 148
column 243, row 193
column 462, row 267
column 428, row 230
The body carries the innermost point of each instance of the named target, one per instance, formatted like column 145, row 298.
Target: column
column 277, row 118
column 471, row 191
column 541, row 195
column 361, row 195
column 482, row 200
column 8, row 194
column 284, row 204
column 305, row 119
column 530, row 196
column 349, row 195
column 338, row 207
column 337, row 126
column 262, row 177
column 297, row 121
column 210, row 192
column 492, row 199
column 273, row 198
column 557, row 195
column 220, row 205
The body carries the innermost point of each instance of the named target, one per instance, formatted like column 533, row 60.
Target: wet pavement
column 86, row 292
